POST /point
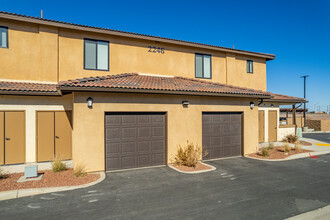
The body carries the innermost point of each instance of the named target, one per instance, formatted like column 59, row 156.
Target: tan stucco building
column 111, row 100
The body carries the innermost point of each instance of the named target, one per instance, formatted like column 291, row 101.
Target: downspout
column 262, row 100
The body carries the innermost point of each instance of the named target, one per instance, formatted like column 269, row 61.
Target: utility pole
column 305, row 76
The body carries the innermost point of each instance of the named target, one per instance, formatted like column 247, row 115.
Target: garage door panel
column 224, row 137
column 128, row 147
column 157, row 146
column 144, row 146
column 128, row 161
column 144, row 160
column 144, row 132
column 136, row 140
column 157, row 159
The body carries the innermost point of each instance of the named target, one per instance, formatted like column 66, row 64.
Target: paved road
column 240, row 188
column 325, row 137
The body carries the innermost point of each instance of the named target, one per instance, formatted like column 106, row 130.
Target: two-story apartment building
column 113, row 100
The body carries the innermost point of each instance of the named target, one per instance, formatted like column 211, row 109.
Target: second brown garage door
column 222, row 135
column 134, row 140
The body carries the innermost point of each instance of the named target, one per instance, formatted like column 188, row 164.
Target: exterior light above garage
column 185, row 103
column 251, row 105
column 90, row 102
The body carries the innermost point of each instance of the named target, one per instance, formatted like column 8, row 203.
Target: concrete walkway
column 317, row 150
column 13, row 194
column 318, row 214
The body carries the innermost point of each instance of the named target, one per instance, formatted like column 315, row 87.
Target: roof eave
column 29, row 93
column 289, row 101
column 150, row 91
column 134, row 35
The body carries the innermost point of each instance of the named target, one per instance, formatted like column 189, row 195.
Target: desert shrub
column 297, row 147
column 290, row 139
column 79, row 171
column 271, row 146
column 286, row 148
column 265, row 152
column 188, row 155
column 3, row 175
column 58, row 165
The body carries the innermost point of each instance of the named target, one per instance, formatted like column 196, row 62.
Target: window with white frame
column 96, row 55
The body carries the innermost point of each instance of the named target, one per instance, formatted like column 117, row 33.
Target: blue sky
column 297, row 32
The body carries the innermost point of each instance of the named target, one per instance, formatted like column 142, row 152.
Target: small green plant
column 297, row 147
column 265, row 152
column 58, row 165
column 286, row 148
column 79, row 171
column 271, row 146
column 290, row 139
column 188, row 155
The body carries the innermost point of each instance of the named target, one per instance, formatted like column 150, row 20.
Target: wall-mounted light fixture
column 90, row 102
column 251, row 105
column 272, row 105
column 185, row 104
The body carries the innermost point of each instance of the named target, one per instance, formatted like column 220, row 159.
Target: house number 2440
column 156, row 50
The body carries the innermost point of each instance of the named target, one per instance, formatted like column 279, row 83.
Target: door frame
column 24, row 137
column 36, row 126
column 242, row 131
column 127, row 112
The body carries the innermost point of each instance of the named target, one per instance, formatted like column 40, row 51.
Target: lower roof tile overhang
column 165, row 92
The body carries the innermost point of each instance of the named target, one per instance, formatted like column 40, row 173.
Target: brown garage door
column 135, row 140
column 222, row 134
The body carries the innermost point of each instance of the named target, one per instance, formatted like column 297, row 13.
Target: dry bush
column 290, row 139
column 271, row 146
column 286, row 148
column 265, row 152
column 297, row 147
column 3, row 175
column 79, row 171
column 188, row 155
column 58, row 165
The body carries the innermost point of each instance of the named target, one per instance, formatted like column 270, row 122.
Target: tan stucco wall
column 32, row 104
column 43, row 53
column 182, row 123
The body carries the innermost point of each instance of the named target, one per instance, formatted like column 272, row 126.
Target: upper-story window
column 3, row 37
column 203, row 66
column 249, row 66
column 96, row 55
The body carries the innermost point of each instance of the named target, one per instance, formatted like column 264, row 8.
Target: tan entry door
column 12, row 137
column 63, row 134
column 54, row 131
column 272, row 125
column 261, row 126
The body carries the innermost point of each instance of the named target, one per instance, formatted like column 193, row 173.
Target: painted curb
column 195, row 172
column 13, row 194
column 292, row 157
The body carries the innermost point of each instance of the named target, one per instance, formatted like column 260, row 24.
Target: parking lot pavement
column 240, row 188
column 324, row 137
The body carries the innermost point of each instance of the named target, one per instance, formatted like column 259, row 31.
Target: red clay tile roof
column 133, row 82
column 285, row 98
column 27, row 88
column 131, row 34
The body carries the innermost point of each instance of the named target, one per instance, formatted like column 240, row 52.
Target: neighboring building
column 113, row 100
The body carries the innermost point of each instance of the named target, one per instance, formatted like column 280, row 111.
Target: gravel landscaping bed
column 278, row 153
column 198, row 167
column 49, row 179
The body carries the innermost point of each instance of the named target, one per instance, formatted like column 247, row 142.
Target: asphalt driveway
column 325, row 137
column 240, row 188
